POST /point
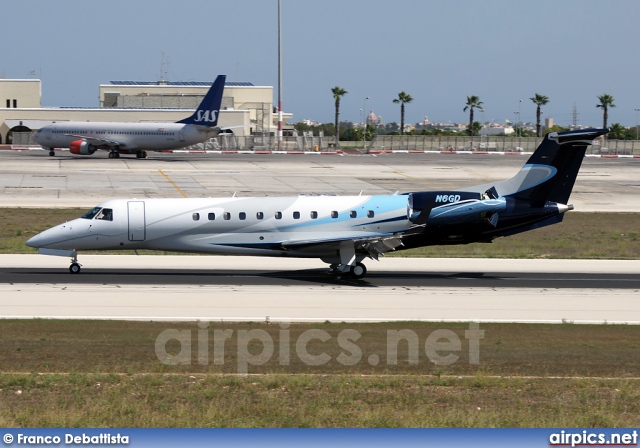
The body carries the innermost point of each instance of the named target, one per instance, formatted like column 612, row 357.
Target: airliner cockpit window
column 106, row 214
column 91, row 213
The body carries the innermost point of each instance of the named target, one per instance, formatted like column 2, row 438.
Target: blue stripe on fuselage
column 379, row 205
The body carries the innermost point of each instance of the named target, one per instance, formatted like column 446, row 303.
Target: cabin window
column 334, row 214
column 296, row 215
column 106, row 214
column 370, row 214
column 211, row 216
column 196, row 216
column 226, row 216
column 260, row 215
column 242, row 216
column 278, row 215
column 353, row 214
column 314, row 215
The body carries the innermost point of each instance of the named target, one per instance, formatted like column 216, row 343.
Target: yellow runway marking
column 403, row 174
column 184, row 195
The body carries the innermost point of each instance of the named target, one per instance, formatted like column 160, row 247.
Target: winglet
column 209, row 109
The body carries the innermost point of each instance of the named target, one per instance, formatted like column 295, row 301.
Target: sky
column 438, row 51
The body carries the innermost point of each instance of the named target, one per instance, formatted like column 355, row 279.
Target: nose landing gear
column 75, row 267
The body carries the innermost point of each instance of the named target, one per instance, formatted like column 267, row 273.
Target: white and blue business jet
column 340, row 230
column 86, row 137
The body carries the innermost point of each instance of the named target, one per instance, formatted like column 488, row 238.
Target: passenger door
column 137, row 230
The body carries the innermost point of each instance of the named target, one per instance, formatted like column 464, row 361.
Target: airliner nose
column 36, row 136
column 34, row 241
column 51, row 237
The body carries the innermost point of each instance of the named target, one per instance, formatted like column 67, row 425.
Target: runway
column 258, row 289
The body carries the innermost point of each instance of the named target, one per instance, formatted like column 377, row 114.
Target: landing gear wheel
column 358, row 271
column 112, row 155
column 74, row 268
column 52, row 153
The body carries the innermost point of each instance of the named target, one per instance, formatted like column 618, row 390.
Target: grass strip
column 579, row 236
column 99, row 400
column 108, row 374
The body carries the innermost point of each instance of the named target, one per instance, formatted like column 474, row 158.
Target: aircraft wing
column 374, row 245
column 100, row 142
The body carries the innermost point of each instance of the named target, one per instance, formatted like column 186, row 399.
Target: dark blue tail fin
column 550, row 172
column 209, row 109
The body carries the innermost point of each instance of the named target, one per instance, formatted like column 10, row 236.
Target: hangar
column 247, row 108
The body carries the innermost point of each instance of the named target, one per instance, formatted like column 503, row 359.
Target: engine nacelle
column 82, row 147
column 421, row 203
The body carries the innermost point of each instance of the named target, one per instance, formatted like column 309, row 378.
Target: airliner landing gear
column 114, row 155
column 75, row 267
column 358, row 271
column 350, row 263
column 141, row 154
column 51, row 152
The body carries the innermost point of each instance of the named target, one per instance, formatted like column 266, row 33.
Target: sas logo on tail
column 447, row 198
column 208, row 116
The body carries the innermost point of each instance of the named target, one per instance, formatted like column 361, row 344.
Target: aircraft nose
column 51, row 237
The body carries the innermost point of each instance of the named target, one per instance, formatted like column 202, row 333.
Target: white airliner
column 340, row 230
column 136, row 138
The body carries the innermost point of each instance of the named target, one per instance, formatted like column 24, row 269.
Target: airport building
column 246, row 108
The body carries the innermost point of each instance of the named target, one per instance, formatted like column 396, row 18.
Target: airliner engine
column 438, row 208
column 82, row 147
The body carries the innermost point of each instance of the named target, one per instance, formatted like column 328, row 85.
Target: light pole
column 362, row 115
column 482, row 128
column 364, row 121
column 637, row 110
column 519, row 119
column 279, row 75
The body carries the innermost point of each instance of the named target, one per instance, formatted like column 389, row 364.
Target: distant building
column 497, row 129
column 373, row 120
column 247, row 108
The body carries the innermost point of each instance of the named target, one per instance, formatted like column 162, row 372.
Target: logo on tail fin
column 208, row 116
column 208, row 110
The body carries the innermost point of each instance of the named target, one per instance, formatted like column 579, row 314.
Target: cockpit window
column 91, row 213
column 106, row 214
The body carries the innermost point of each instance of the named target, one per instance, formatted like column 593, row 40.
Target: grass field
column 580, row 235
column 106, row 373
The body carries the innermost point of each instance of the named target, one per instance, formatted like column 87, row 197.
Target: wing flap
column 374, row 245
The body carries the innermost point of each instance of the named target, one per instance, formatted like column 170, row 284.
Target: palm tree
column 472, row 102
column 606, row 101
column 403, row 98
column 539, row 100
column 617, row 132
column 338, row 92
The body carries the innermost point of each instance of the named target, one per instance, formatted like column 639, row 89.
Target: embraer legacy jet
column 136, row 138
column 340, row 230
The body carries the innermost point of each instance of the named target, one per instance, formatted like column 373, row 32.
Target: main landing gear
column 350, row 263
column 357, row 271
column 114, row 155
column 141, row 154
